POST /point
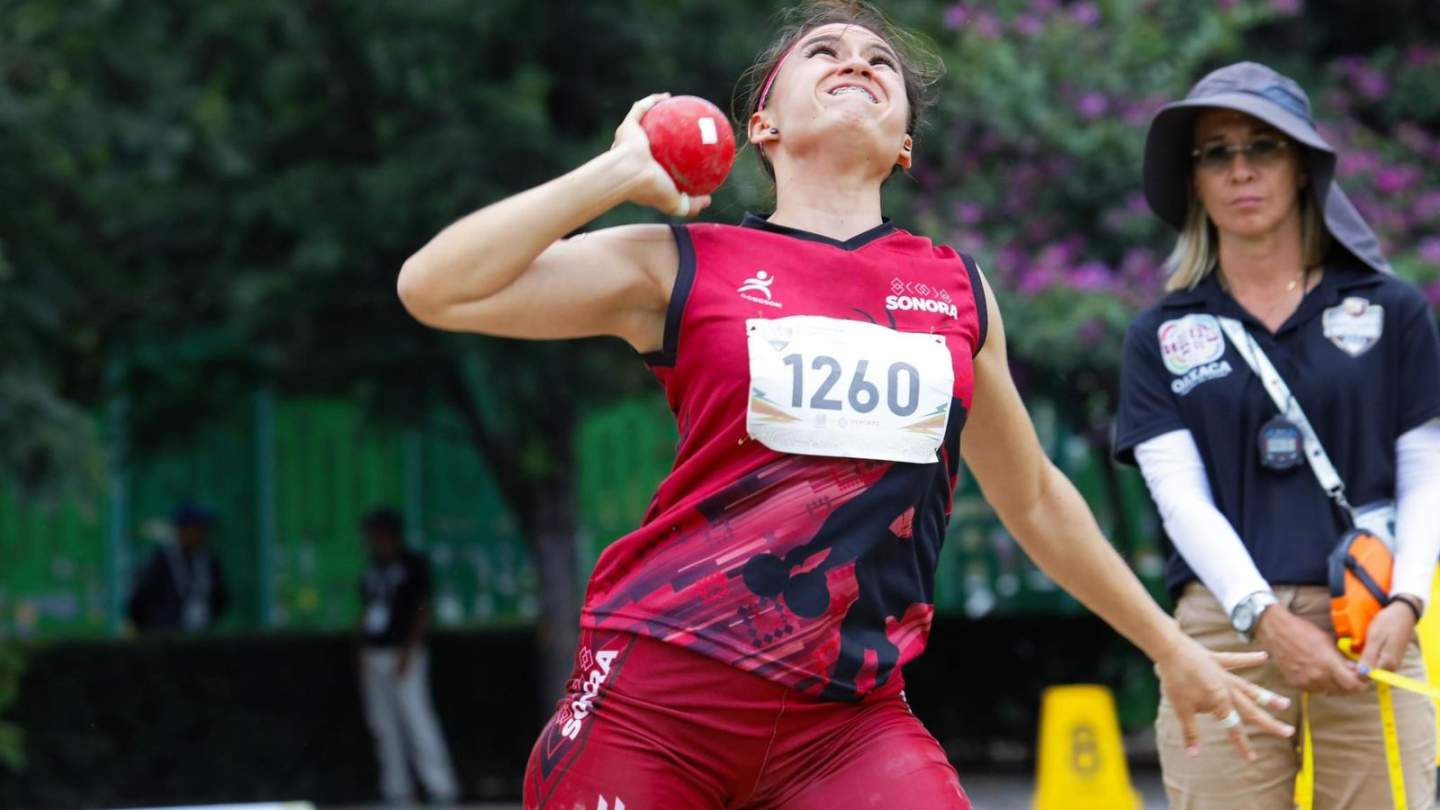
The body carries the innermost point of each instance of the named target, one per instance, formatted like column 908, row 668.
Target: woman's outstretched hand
column 652, row 186
column 1196, row 682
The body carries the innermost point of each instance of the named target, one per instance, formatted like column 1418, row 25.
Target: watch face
column 1244, row 617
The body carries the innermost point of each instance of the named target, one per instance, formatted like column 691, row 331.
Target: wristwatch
column 1246, row 615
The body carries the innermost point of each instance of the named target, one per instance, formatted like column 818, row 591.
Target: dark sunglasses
column 1262, row 153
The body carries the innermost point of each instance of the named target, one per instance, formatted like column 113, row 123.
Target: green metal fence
column 289, row 479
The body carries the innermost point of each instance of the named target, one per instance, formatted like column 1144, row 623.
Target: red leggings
column 652, row 726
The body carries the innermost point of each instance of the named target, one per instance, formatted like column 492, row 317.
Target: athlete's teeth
column 850, row 88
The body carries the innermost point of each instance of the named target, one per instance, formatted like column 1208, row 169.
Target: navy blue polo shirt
column 1360, row 354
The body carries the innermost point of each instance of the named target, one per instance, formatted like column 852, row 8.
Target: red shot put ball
column 692, row 140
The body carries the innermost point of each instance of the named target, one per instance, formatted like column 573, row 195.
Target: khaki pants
column 1350, row 769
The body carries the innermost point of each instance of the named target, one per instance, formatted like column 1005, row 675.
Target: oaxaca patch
column 1190, row 342
column 1354, row 326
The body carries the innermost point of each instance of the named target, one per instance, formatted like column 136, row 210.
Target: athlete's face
column 839, row 81
column 1250, row 193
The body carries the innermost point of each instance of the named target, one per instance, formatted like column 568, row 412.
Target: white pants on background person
column 403, row 721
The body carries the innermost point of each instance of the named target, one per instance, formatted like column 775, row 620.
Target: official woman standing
column 1269, row 240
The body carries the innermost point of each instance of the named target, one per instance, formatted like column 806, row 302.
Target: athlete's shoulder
column 717, row 229
column 903, row 241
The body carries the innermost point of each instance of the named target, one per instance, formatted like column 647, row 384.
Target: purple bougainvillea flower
column 1419, row 55
column 986, row 25
column 957, row 16
column 1086, row 13
column 969, row 213
column 1089, row 277
column 1413, row 136
column 1394, row 179
column 1357, row 161
column 1028, row 25
column 1092, row 105
column 1286, row 6
column 1044, row 7
column 1429, row 250
column 1427, row 207
column 1139, row 264
column 1370, row 83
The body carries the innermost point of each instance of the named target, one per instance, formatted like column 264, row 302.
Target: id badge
column 1378, row 518
column 828, row 387
column 377, row 618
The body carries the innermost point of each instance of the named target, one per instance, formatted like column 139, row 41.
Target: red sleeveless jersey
column 815, row 572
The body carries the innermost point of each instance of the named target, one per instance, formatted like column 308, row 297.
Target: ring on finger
column 1264, row 697
column 682, row 209
column 1230, row 720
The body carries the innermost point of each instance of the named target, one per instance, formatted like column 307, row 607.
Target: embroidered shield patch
column 1354, row 326
column 1191, row 341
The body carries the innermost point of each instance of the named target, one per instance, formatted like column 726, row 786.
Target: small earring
column 774, row 131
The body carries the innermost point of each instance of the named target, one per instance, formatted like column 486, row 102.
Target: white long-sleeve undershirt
column 1417, row 497
column 1203, row 536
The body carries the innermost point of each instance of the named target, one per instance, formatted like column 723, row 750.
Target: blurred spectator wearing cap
column 394, row 666
column 182, row 586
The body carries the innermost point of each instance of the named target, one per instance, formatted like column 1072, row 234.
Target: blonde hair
column 1197, row 251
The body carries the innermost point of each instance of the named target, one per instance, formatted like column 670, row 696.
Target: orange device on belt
column 1360, row 569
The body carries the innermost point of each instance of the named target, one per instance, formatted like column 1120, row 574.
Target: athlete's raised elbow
column 414, row 291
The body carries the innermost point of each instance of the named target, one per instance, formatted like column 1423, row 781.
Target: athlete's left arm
column 1053, row 524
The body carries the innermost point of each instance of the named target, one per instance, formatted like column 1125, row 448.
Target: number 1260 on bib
column 829, row 387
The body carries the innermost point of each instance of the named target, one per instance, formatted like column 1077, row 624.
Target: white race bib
column 826, row 387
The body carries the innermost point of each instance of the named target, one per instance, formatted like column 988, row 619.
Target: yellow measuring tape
column 1384, row 678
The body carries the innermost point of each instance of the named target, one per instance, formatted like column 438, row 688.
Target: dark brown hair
column 919, row 65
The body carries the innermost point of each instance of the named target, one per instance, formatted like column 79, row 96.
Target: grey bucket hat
column 1256, row 90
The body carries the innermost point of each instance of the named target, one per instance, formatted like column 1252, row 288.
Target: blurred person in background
column 182, row 586
column 394, row 667
column 1269, row 241
column 743, row 647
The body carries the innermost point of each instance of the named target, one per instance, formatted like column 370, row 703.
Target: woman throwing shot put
column 742, row 648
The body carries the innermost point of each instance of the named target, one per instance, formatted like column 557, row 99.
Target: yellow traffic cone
column 1429, row 633
column 1082, row 764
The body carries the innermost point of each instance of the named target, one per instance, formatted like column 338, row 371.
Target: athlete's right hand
column 1195, row 681
column 1305, row 654
column 651, row 186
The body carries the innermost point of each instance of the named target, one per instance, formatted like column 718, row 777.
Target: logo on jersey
column 1190, row 342
column 619, row 805
column 919, row 297
column 593, row 674
column 1210, row 371
column 759, row 283
column 1354, row 326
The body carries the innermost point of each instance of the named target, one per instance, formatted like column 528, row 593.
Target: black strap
column 1364, row 576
